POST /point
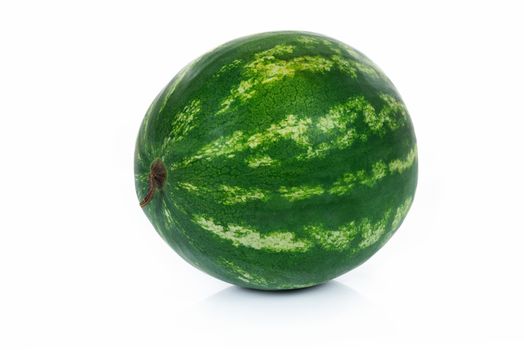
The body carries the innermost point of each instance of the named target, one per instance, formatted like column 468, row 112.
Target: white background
column 81, row 266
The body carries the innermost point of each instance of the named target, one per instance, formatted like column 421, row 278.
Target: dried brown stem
column 157, row 177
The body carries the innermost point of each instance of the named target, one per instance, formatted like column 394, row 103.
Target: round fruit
column 277, row 161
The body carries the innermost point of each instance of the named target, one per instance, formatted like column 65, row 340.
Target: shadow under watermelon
column 249, row 314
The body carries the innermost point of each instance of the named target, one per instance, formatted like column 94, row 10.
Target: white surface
column 81, row 267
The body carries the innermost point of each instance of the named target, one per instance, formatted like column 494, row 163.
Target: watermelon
column 277, row 161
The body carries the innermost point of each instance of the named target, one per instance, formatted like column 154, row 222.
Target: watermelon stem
column 157, row 178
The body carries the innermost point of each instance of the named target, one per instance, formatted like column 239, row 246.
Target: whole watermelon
column 277, row 161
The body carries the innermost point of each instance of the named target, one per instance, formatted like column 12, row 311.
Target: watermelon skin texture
column 290, row 159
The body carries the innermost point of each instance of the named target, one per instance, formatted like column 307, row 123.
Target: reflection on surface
column 288, row 314
column 329, row 298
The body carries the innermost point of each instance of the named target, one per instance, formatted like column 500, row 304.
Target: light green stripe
column 298, row 129
column 228, row 67
column 401, row 165
column 373, row 231
column 341, row 238
column 183, row 122
column 227, row 194
column 249, row 237
column 260, row 161
column 347, row 66
column 188, row 187
column 391, row 116
column 369, row 231
column 301, row 192
column 290, row 128
column 234, row 194
column 307, row 40
column 401, row 213
column 231, row 195
column 266, row 68
column 338, row 239
column 379, row 170
column 173, row 85
column 336, row 126
column 242, row 274
column 223, row 146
